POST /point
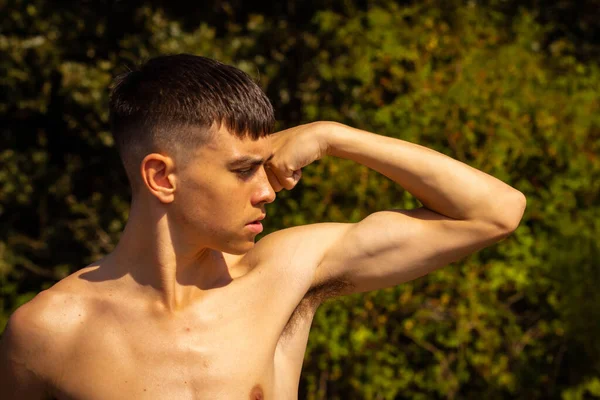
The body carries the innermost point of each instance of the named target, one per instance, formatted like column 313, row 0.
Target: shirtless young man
column 187, row 306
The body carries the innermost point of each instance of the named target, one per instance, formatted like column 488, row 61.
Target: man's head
column 178, row 122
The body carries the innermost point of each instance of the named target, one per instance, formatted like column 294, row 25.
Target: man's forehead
column 229, row 147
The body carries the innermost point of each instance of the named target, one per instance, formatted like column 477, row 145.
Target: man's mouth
column 257, row 221
column 255, row 226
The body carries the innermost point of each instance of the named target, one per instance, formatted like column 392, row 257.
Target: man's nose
column 265, row 194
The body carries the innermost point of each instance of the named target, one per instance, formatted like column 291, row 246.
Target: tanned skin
column 188, row 306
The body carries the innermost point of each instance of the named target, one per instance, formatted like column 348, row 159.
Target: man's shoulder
column 297, row 251
column 38, row 337
column 311, row 240
column 51, row 319
column 49, row 316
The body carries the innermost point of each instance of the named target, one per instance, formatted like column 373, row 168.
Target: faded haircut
column 173, row 104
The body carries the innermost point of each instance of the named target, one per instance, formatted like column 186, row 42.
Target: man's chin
column 239, row 248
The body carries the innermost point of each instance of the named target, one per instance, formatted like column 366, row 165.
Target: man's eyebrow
column 248, row 161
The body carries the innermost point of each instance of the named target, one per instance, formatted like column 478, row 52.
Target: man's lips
column 256, row 221
column 255, row 226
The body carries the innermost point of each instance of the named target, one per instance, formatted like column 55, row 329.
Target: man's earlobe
column 157, row 171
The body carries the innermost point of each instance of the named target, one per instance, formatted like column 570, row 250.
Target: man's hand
column 294, row 149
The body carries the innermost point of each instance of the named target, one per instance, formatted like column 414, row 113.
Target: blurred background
column 509, row 87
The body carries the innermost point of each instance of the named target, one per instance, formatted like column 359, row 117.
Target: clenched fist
column 294, row 149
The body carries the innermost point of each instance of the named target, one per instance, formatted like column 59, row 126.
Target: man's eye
column 245, row 172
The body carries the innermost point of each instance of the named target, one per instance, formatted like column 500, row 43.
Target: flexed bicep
column 391, row 247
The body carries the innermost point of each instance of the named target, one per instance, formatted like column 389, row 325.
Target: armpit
column 311, row 301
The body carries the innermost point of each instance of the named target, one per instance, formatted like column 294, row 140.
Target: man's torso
column 243, row 340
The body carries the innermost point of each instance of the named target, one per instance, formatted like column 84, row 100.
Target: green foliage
column 483, row 84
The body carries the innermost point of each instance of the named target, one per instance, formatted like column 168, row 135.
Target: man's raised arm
column 443, row 184
column 464, row 209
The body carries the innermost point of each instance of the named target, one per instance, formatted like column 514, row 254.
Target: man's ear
column 158, row 176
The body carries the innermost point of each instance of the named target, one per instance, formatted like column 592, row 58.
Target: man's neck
column 177, row 273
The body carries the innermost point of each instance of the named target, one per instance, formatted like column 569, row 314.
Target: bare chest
column 227, row 352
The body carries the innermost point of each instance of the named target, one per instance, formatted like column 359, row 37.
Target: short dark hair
column 170, row 103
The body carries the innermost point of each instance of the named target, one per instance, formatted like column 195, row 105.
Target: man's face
column 222, row 189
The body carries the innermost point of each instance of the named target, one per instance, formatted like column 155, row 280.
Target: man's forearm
column 441, row 183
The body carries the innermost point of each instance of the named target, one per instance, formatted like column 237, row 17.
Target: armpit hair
column 327, row 290
column 313, row 299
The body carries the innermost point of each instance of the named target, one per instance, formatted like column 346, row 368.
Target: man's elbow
column 513, row 207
